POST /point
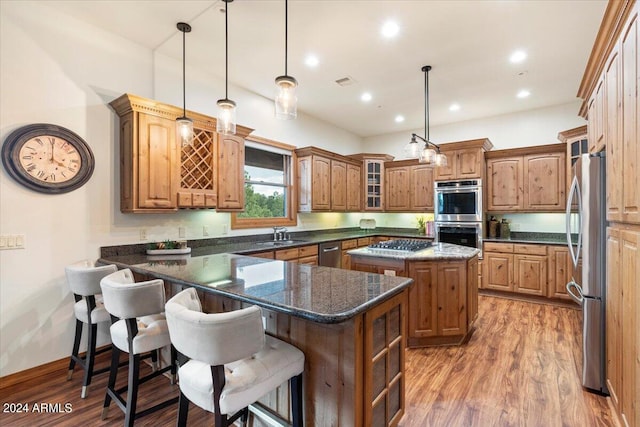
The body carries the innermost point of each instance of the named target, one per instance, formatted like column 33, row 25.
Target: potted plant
column 422, row 225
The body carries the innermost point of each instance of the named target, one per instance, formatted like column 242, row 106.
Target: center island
column 350, row 325
column 443, row 301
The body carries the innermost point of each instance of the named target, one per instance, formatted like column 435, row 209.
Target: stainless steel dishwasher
column 330, row 254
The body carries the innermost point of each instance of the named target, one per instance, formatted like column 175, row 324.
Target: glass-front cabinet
column 373, row 180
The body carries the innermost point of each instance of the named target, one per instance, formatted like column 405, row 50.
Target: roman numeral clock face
column 47, row 158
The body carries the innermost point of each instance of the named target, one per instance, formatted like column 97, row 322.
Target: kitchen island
column 350, row 325
column 443, row 302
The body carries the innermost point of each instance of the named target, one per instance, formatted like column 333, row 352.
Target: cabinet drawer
column 287, row 254
column 498, row 247
column 312, row 260
column 530, row 249
column 306, row 251
column 349, row 244
column 268, row 255
column 364, row 241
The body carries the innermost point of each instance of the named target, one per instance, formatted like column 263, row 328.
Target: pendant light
column 286, row 99
column 226, row 121
column 426, row 154
column 185, row 124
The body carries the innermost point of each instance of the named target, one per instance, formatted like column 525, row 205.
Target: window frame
column 291, row 219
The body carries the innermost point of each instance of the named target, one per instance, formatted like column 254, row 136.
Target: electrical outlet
column 143, row 234
column 181, row 232
column 225, row 228
column 515, row 226
column 205, row 230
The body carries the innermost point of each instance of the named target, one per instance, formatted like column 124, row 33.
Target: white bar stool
column 138, row 327
column 84, row 281
column 233, row 362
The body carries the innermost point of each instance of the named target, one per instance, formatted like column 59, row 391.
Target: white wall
column 55, row 69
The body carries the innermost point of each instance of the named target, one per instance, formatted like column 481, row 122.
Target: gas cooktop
column 402, row 245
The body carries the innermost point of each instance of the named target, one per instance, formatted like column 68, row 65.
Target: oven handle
column 457, row 189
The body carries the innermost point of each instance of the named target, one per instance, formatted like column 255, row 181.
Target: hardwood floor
column 520, row 368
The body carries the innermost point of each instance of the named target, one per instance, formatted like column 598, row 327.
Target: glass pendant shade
column 427, row 155
column 412, row 149
column 185, row 130
column 286, row 100
column 226, row 120
column 441, row 160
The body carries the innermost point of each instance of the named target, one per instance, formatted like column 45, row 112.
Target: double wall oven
column 458, row 212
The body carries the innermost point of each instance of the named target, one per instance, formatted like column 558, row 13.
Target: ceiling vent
column 346, row 81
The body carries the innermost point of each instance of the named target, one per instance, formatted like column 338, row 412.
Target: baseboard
column 38, row 371
column 529, row 298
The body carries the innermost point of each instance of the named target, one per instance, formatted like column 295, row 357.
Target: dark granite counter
column 319, row 294
column 439, row 251
column 534, row 237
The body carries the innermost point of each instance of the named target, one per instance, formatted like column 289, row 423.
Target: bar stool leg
column 132, row 389
column 174, row 359
column 296, row 402
column 183, row 410
column 113, row 373
column 90, row 358
column 76, row 348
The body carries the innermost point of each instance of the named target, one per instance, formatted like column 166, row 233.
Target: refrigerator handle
column 577, row 295
column 574, row 192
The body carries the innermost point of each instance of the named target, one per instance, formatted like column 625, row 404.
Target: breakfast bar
column 350, row 325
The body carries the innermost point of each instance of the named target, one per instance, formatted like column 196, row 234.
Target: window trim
column 292, row 205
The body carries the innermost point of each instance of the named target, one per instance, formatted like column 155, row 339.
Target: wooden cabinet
column 596, row 110
column 461, row 164
column 158, row 175
column 372, row 179
column 302, row 255
column 409, row 186
column 577, row 144
column 520, row 268
column 327, row 181
column 623, row 321
column 560, row 272
column 531, row 179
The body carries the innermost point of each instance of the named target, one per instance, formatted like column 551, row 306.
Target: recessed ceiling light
column 523, row 93
column 518, row 56
column 454, row 107
column 366, row 97
column 390, row 29
column 311, row 61
column 399, row 118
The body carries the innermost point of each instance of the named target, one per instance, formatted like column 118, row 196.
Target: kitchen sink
column 279, row 242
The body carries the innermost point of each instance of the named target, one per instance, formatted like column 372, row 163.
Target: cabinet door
column 449, row 172
column 505, row 184
column 158, row 163
column 544, row 178
column 631, row 124
column 615, row 181
column 614, row 317
column 499, row 271
column 397, row 188
column 530, row 274
column 230, row 173
column 559, row 272
column 338, row 185
column 473, row 268
column 452, row 298
column 470, row 163
column 354, row 187
column 421, row 193
column 374, row 185
column 423, row 303
column 596, row 118
column 320, row 183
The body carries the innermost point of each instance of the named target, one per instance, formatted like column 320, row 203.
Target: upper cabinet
column 531, row 179
column 158, row 175
column 577, row 144
column 372, row 179
column 465, row 160
column 328, row 181
column 408, row 186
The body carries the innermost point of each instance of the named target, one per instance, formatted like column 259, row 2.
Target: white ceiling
column 468, row 44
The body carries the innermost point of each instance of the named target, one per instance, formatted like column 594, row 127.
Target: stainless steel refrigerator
column 586, row 214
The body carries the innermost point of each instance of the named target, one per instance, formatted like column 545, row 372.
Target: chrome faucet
column 279, row 233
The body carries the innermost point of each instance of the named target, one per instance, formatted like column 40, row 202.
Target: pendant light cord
column 226, row 51
column 184, row 85
column 286, row 34
column 426, row 105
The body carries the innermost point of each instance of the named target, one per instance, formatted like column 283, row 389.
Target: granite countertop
column 439, row 251
column 534, row 237
column 319, row 294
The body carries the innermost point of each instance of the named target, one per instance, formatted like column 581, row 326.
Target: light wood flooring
column 520, row 368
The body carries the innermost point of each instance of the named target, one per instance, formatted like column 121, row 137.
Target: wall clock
column 47, row 158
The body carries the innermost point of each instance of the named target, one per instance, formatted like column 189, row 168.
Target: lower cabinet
column 302, row 254
column 623, row 321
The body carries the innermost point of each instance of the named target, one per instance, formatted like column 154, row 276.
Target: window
column 268, row 185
